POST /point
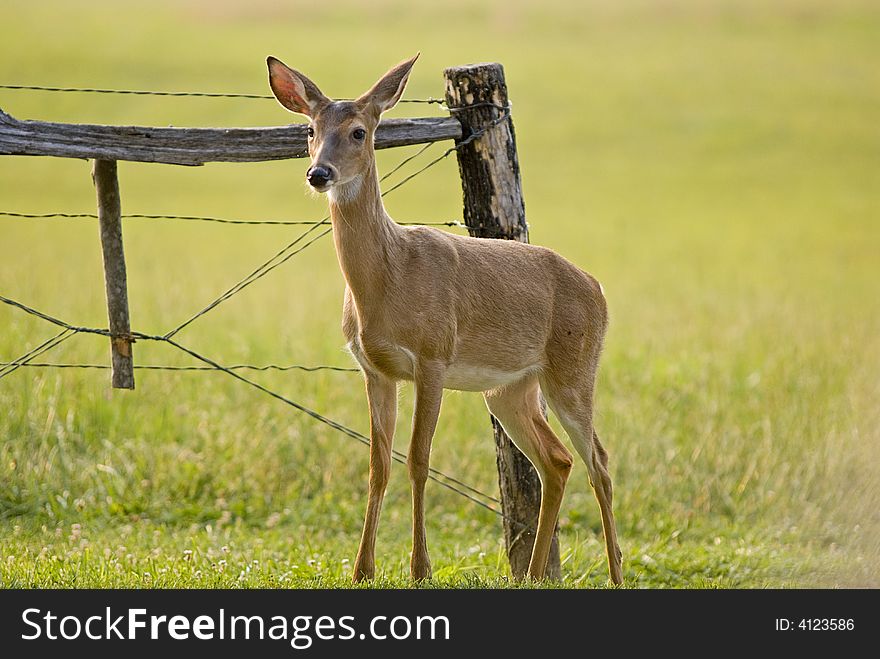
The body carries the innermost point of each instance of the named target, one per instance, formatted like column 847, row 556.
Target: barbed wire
column 433, row 474
column 405, row 162
column 45, row 346
column 263, row 270
column 157, row 367
column 473, row 136
column 146, row 92
column 200, row 218
column 441, row 103
column 69, row 330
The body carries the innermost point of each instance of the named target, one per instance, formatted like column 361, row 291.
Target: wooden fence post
column 494, row 208
column 115, row 280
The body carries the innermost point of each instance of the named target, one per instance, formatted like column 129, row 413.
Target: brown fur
column 444, row 311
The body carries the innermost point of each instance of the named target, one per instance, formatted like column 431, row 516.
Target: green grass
column 714, row 164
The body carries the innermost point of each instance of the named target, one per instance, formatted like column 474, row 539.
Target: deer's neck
column 366, row 238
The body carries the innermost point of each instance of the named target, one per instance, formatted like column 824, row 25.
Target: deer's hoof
column 363, row 573
column 420, row 570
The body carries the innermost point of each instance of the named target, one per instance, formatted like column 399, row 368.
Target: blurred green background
column 715, row 164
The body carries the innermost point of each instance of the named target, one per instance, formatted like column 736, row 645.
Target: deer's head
column 340, row 132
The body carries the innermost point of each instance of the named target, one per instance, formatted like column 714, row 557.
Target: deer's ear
column 293, row 90
column 388, row 90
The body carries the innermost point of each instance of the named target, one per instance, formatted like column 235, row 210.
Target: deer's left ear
column 388, row 90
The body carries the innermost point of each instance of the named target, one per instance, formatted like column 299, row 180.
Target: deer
column 511, row 320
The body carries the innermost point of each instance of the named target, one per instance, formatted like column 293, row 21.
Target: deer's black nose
column 319, row 176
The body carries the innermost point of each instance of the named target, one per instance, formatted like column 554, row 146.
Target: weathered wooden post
column 494, row 208
column 115, row 279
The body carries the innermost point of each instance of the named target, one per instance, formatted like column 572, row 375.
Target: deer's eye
column 311, row 132
column 359, row 133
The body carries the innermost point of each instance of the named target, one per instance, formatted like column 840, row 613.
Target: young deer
column 505, row 318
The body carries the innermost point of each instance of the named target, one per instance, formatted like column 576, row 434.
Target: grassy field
column 715, row 164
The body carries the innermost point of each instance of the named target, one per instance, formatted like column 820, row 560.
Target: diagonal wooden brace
column 115, row 279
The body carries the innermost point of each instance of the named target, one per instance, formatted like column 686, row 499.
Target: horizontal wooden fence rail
column 195, row 146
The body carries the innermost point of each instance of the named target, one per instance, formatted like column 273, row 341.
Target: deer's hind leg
column 570, row 396
column 518, row 409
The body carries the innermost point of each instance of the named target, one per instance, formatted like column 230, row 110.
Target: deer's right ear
column 293, row 90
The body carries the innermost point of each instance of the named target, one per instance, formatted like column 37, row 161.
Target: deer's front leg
column 429, row 393
column 382, row 395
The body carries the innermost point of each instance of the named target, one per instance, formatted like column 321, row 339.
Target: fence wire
column 201, row 218
column 158, row 367
column 148, row 92
column 69, row 330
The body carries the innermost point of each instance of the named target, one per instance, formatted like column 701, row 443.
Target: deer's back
column 502, row 304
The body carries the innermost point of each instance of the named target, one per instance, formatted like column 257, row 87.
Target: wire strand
column 158, row 367
column 400, row 457
column 69, row 330
column 201, row 218
column 260, row 272
column 67, row 327
column 475, row 135
column 146, row 92
column 11, row 367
